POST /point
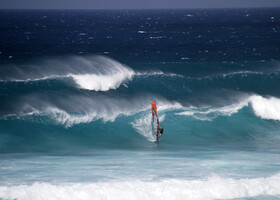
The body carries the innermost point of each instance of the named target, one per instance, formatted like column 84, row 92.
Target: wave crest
column 212, row 112
column 265, row 108
column 97, row 73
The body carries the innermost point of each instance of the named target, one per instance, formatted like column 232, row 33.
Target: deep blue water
column 75, row 94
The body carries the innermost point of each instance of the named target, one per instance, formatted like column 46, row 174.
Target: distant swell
column 214, row 187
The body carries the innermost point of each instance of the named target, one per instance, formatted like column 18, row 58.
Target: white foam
column 103, row 82
column 143, row 126
column 109, row 74
column 266, row 108
column 214, row 187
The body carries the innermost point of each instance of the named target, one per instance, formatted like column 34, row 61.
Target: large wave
column 265, row 108
column 214, row 187
column 97, row 73
column 71, row 110
column 76, row 109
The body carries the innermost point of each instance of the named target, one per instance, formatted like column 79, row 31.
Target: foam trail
column 143, row 124
column 158, row 73
column 214, row 187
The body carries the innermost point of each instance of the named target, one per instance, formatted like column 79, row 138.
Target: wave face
column 75, row 95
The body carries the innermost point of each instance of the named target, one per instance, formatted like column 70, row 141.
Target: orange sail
column 155, row 122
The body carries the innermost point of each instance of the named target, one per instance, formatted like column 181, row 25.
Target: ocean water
column 75, row 94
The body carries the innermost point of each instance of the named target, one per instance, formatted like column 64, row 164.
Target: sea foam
column 214, row 187
column 266, row 108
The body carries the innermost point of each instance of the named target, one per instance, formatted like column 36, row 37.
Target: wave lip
column 103, row 82
column 112, row 75
column 69, row 119
column 77, row 110
column 214, row 187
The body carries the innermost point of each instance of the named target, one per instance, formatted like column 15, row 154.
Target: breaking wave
column 214, row 187
column 77, row 110
column 90, row 72
column 97, row 73
column 265, row 108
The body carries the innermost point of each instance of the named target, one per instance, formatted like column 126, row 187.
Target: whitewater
column 214, row 187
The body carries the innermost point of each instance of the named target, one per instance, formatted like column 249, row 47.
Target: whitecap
column 213, row 187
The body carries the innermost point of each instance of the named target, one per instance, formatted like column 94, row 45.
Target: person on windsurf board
column 158, row 131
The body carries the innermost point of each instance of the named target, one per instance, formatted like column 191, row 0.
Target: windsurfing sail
column 155, row 120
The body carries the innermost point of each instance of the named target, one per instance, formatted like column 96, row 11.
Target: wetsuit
column 161, row 130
